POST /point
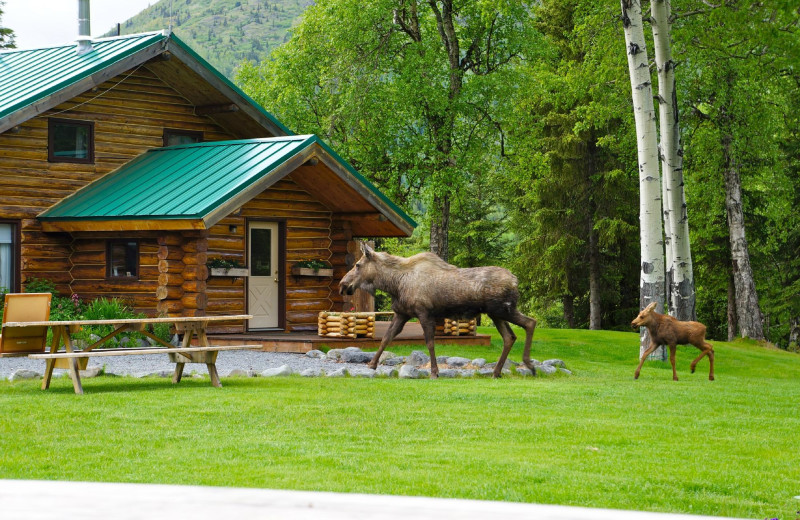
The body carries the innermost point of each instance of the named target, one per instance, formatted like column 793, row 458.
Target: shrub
column 40, row 285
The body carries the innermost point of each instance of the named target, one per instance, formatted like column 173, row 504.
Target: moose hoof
column 373, row 366
column 710, row 378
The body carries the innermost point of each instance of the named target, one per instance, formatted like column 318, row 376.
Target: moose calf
column 666, row 330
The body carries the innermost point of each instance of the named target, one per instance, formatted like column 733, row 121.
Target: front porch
column 302, row 342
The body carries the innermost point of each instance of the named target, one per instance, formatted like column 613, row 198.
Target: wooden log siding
column 129, row 119
column 308, row 236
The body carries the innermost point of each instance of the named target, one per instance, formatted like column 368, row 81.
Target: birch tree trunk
column 748, row 313
column 680, row 278
column 651, row 285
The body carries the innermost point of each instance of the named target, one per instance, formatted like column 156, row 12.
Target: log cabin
column 130, row 163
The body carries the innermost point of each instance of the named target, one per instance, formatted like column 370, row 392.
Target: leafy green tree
column 408, row 90
column 568, row 188
column 6, row 35
column 740, row 61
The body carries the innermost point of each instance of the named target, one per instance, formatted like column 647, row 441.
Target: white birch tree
column 651, row 285
column 680, row 288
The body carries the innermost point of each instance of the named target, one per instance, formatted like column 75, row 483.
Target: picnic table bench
column 191, row 327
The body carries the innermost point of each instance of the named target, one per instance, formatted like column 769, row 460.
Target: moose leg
column 529, row 324
column 646, row 353
column 397, row 324
column 707, row 350
column 429, row 331
column 508, row 341
column 672, row 350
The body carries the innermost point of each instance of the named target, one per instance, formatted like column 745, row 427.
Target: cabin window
column 175, row 137
column 70, row 141
column 123, row 259
column 8, row 257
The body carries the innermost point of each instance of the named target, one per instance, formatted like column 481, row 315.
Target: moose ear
column 651, row 307
column 368, row 251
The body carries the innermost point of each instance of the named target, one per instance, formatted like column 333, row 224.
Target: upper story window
column 122, row 259
column 174, row 137
column 70, row 141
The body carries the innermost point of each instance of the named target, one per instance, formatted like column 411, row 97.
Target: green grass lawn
column 598, row 439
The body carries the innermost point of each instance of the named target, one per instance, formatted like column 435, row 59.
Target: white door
column 263, row 285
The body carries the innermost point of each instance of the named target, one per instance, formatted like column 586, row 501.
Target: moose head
column 362, row 275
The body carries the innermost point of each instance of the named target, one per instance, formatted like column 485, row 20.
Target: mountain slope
column 224, row 32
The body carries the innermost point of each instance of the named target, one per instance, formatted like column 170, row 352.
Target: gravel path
column 227, row 361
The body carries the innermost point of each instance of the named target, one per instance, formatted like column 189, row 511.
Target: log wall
column 129, row 119
column 308, row 236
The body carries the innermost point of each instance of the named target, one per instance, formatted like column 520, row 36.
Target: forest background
column 505, row 128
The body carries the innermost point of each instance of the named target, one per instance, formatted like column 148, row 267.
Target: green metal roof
column 192, row 181
column 28, row 76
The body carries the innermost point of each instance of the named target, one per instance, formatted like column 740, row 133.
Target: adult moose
column 426, row 287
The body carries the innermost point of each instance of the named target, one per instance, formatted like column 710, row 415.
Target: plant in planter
column 316, row 267
column 224, row 267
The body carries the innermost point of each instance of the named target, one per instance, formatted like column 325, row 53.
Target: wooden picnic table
column 190, row 327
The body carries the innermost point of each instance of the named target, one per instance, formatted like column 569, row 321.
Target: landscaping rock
column 457, row 361
column 418, row 358
column 478, row 362
column 545, row 370
column 387, row 371
column 424, row 373
column 91, row 371
column 283, row 370
column 335, row 354
column 352, row 349
column 23, row 373
column 361, row 372
column 312, row 372
column 315, row 354
column 385, row 356
column 554, row 363
column 356, row 356
column 142, row 343
column 524, row 372
column 486, row 372
column 408, row 372
column 565, row 371
column 448, row 373
column 340, row 372
column 441, row 360
column 468, row 372
column 392, row 362
column 238, row 372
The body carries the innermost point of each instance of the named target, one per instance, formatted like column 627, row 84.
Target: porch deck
column 301, row 342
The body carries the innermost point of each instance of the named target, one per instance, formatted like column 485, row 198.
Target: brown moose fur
column 426, row 287
column 666, row 330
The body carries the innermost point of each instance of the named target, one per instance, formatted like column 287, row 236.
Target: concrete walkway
column 34, row 500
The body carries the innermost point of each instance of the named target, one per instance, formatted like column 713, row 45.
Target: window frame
column 52, row 122
column 110, row 243
column 16, row 249
column 176, row 131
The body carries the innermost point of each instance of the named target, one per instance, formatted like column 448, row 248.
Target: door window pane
column 260, row 252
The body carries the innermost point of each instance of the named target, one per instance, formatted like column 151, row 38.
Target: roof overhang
column 311, row 164
column 173, row 61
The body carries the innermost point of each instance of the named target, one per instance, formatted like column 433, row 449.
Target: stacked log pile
column 457, row 327
column 346, row 324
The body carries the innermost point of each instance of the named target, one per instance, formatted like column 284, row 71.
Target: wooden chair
column 25, row 307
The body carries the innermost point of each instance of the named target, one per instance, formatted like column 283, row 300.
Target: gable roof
column 33, row 81
column 194, row 186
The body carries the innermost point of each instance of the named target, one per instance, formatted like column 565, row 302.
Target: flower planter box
column 307, row 271
column 233, row 271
